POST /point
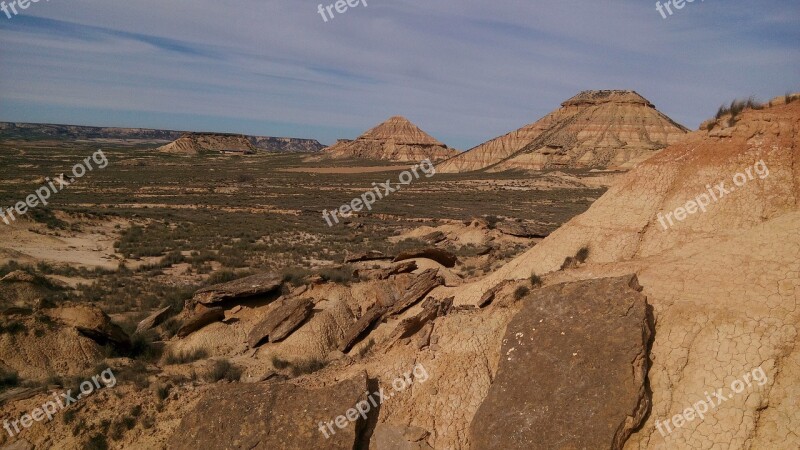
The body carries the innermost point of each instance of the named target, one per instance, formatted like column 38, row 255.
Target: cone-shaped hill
column 594, row 129
column 397, row 139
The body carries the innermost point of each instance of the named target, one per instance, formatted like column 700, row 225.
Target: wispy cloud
column 464, row 70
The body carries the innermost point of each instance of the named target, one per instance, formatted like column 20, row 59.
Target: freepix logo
column 667, row 6
column 11, row 7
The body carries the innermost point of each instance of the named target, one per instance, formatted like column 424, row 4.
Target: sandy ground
column 93, row 247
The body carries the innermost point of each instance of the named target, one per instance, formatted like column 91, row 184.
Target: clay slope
column 598, row 129
column 724, row 284
column 397, row 139
column 195, row 143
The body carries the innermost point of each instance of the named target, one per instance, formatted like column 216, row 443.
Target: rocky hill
column 397, row 139
column 723, row 279
column 594, row 129
column 196, row 143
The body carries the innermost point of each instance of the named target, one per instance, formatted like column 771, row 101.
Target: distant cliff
column 35, row 131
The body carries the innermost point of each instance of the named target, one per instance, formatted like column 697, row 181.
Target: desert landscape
column 592, row 274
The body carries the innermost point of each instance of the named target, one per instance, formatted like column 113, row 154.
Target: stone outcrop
column 724, row 284
column 272, row 415
column 419, row 288
column 241, row 289
column 572, row 370
column 196, row 143
column 443, row 257
column 521, row 229
column 91, row 322
column 594, row 129
column 281, row 321
column 201, row 317
column 397, row 139
column 153, row 320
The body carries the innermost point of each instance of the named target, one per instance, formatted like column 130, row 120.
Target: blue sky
column 463, row 70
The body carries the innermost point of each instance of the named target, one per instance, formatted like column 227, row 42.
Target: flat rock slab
column 520, row 229
column 270, row 415
column 419, row 288
column 439, row 255
column 259, row 284
column 572, row 370
column 281, row 322
column 370, row 255
column 360, row 326
column 153, row 320
column 204, row 316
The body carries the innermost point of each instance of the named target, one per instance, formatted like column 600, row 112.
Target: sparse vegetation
column 736, row 107
column 8, row 378
column 307, row 366
column 521, row 292
column 582, row 255
column 280, row 363
column 223, row 370
column 96, row 442
column 185, row 357
column 536, row 280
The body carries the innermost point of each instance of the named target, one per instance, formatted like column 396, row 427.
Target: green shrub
column 582, row 255
column 8, row 378
column 96, row 442
column 520, row 292
column 184, row 357
column 279, row 363
column 307, row 366
column 223, row 370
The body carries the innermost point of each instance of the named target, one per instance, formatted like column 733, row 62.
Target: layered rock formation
column 397, row 139
column 196, row 143
column 724, row 283
column 597, row 129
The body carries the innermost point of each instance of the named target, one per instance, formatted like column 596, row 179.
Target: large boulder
column 572, row 371
column 243, row 288
column 273, row 415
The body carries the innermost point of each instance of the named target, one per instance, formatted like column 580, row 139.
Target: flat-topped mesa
column 607, row 96
column 396, row 139
column 594, row 129
column 196, row 143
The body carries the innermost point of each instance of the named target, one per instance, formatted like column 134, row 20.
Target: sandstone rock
column 439, row 255
column 431, row 309
column 397, row 139
column 195, row 143
column 271, row 415
column 394, row 437
column 281, row 321
column 592, row 129
column 91, row 322
column 153, row 320
column 520, row 229
column 572, row 370
column 243, row 288
column 434, row 238
column 200, row 318
column 382, row 274
column 370, row 255
column 360, row 326
column 419, row 288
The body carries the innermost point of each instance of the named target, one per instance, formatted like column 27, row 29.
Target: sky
column 465, row 71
